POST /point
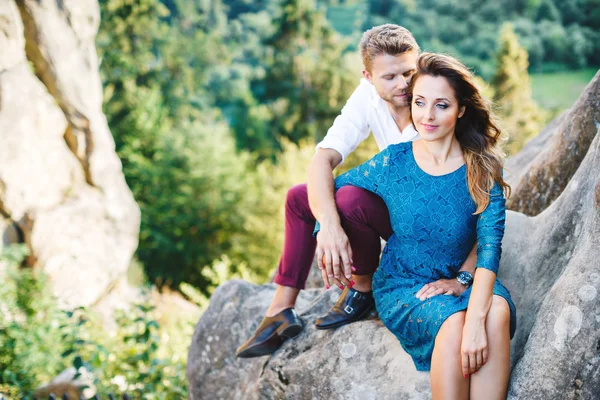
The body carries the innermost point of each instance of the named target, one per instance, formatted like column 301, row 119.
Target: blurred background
column 215, row 108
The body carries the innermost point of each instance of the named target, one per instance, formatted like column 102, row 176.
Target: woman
column 444, row 192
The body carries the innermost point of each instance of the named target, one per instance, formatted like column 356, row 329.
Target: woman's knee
column 498, row 318
column 450, row 334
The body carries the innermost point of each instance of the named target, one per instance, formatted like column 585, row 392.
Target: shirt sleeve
column 490, row 230
column 351, row 126
column 371, row 175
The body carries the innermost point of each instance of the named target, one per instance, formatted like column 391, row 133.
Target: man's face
column 391, row 75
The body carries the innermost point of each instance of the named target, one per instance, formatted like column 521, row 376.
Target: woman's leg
column 446, row 378
column 491, row 381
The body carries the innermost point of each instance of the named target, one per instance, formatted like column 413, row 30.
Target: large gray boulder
column 542, row 170
column 550, row 264
column 61, row 183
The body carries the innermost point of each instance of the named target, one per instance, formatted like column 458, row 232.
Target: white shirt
column 365, row 111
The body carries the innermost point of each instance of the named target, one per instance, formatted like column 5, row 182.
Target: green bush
column 30, row 327
column 38, row 341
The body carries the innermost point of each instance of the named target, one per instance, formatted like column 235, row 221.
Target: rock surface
column 61, row 183
column 549, row 263
column 542, row 170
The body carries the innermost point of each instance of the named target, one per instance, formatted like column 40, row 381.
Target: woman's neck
column 439, row 151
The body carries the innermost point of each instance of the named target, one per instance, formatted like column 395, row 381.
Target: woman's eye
column 442, row 106
column 419, row 103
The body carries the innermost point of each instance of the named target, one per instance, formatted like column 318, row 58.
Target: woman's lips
column 429, row 128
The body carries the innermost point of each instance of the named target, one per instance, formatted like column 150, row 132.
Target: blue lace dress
column 434, row 231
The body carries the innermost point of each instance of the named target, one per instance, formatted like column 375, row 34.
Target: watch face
column 465, row 278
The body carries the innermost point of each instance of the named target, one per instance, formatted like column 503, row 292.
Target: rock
column 71, row 383
column 12, row 41
column 549, row 263
column 316, row 364
column 61, row 182
column 539, row 174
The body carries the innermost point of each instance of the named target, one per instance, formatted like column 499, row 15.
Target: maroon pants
column 364, row 217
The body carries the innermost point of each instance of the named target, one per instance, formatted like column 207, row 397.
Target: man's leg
column 281, row 321
column 298, row 250
column 365, row 219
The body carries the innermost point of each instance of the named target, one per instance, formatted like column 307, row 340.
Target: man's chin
column 400, row 102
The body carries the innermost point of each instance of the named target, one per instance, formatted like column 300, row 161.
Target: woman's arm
column 490, row 230
column 450, row 287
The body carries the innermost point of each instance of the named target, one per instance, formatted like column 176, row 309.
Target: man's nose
column 402, row 83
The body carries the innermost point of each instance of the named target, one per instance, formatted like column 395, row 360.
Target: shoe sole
column 272, row 343
column 346, row 322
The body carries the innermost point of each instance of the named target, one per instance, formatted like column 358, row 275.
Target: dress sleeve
column 490, row 230
column 370, row 176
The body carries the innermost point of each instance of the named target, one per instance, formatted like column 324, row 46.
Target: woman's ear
column 462, row 111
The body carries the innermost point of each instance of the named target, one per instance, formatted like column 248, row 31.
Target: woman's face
column 434, row 107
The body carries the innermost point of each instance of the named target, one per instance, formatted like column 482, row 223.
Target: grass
column 559, row 90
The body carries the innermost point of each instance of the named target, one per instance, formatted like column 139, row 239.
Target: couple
column 436, row 194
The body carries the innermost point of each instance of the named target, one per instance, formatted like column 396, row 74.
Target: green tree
column 178, row 154
column 305, row 81
column 547, row 11
column 520, row 116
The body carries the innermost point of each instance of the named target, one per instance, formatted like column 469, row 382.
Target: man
column 352, row 220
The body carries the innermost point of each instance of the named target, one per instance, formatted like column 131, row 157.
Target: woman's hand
column 474, row 346
column 442, row 286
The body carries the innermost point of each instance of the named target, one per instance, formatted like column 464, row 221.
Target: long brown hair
column 476, row 131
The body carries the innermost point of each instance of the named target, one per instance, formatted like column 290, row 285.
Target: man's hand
column 442, row 286
column 334, row 256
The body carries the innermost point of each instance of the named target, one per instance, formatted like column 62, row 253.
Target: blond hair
column 386, row 39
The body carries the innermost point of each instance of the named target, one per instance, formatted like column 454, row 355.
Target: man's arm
column 332, row 242
column 349, row 129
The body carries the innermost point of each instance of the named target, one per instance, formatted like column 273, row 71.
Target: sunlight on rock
column 567, row 326
column 235, row 329
column 364, row 392
column 334, row 296
column 348, row 350
column 587, row 293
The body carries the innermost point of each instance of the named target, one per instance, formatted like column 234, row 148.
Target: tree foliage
column 520, row 116
column 558, row 34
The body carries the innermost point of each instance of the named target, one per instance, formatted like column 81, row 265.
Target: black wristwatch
column 464, row 278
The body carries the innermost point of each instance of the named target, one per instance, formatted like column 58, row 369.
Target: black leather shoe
column 351, row 306
column 271, row 333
